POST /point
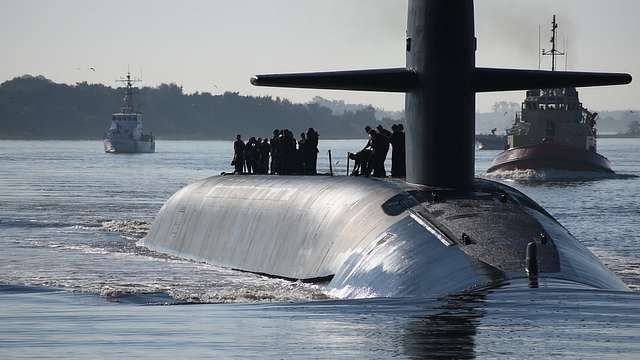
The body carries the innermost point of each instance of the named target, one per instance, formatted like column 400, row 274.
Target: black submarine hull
column 372, row 237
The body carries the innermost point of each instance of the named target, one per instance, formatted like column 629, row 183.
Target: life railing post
column 348, row 164
column 330, row 164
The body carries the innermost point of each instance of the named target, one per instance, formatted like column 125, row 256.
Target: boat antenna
column 127, row 106
column 554, row 50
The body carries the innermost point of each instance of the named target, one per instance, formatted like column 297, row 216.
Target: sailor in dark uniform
column 251, row 156
column 238, row 154
column 398, row 161
column 380, row 146
column 301, row 155
column 275, row 152
column 311, row 151
column 265, row 150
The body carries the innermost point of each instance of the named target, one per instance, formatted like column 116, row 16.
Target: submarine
column 439, row 231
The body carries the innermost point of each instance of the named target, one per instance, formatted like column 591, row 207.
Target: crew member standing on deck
column 398, row 161
column 265, row 150
column 312, row 151
column 380, row 146
column 384, row 132
column 302, row 158
column 238, row 154
column 251, row 156
column 275, row 152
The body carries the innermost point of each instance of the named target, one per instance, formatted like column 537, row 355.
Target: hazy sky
column 216, row 45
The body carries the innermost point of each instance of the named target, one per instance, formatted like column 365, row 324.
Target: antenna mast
column 127, row 107
column 554, row 51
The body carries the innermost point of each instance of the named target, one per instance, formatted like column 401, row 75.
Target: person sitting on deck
column 363, row 156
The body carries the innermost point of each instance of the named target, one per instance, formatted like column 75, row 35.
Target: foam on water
column 132, row 229
column 120, row 270
column 541, row 175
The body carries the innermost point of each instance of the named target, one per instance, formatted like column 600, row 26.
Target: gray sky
column 199, row 44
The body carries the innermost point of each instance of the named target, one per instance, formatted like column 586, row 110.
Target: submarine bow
column 438, row 232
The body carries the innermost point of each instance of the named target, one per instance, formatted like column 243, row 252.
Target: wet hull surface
column 371, row 236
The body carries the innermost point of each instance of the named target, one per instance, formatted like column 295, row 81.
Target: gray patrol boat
column 125, row 133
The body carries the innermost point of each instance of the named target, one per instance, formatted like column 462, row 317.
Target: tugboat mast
column 554, row 51
column 127, row 101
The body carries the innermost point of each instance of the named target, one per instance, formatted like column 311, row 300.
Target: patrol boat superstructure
column 439, row 232
column 125, row 133
column 553, row 131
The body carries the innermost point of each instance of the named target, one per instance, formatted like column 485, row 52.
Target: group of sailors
column 280, row 155
column 283, row 155
column 370, row 160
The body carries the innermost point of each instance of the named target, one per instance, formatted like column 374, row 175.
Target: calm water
column 74, row 284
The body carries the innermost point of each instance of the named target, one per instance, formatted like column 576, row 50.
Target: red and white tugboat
column 554, row 131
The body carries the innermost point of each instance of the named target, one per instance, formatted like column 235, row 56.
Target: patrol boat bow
column 440, row 231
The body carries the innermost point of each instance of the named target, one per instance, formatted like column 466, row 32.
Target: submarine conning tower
column 440, row 80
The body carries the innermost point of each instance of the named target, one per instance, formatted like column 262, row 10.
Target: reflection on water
column 448, row 334
column 513, row 322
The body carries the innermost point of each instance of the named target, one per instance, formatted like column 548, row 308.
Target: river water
column 75, row 284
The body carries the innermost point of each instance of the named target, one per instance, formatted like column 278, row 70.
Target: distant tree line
column 38, row 108
column 33, row 107
column 338, row 107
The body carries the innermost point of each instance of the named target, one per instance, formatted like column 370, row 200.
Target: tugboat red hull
column 550, row 156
